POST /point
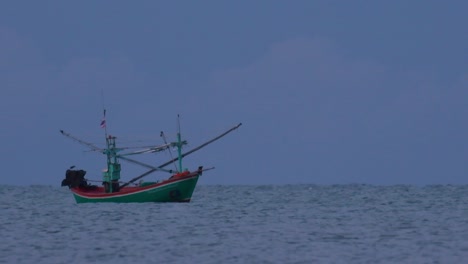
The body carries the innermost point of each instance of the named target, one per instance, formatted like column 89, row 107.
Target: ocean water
column 241, row 224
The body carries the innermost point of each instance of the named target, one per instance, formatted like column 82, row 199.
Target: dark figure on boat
column 75, row 178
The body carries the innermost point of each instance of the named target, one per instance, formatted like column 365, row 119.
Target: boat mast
column 179, row 144
column 111, row 176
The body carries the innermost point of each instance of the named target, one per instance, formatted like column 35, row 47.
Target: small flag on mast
column 103, row 122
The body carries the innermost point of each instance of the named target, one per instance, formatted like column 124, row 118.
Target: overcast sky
column 329, row 92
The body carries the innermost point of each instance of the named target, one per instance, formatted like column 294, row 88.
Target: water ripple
column 241, row 224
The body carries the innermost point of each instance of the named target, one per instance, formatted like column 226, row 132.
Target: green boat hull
column 173, row 190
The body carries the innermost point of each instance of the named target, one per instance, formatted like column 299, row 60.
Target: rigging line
column 141, row 147
column 170, row 152
column 183, row 155
column 144, row 164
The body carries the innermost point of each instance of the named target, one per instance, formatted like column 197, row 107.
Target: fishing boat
column 177, row 187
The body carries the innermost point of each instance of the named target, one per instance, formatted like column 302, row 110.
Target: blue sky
column 329, row 92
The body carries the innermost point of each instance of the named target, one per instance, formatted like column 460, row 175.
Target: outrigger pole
column 91, row 146
column 180, row 156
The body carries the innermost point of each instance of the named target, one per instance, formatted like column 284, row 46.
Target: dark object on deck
column 75, row 178
column 115, row 186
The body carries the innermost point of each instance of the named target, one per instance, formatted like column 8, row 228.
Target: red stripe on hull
column 98, row 192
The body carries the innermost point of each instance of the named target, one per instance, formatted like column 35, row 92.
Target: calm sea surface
column 241, row 224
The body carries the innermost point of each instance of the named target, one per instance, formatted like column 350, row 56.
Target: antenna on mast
column 103, row 121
